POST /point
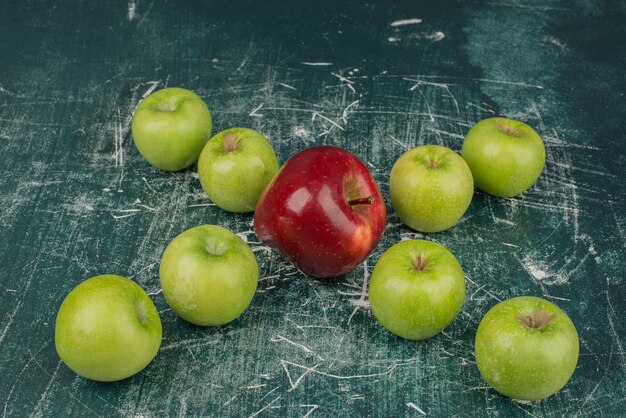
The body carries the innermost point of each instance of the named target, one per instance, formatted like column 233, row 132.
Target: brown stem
column 361, row 201
column 420, row 263
column 536, row 320
column 230, row 142
column 508, row 130
column 432, row 163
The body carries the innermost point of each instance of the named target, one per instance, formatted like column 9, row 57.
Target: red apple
column 323, row 211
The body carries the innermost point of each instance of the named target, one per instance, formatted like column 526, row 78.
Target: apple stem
column 508, row 130
column 420, row 263
column 432, row 163
column 536, row 320
column 230, row 142
column 361, row 201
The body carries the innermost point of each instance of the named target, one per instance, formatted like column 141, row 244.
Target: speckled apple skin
column 107, row 329
column 521, row 362
column 504, row 165
column 170, row 127
column 416, row 304
column 431, row 188
column 235, row 180
column 208, row 275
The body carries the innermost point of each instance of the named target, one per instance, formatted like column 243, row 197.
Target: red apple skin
column 323, row 211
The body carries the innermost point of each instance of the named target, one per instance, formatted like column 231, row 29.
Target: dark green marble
column 77, row 200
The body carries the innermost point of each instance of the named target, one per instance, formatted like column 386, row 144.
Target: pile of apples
column 323, row 211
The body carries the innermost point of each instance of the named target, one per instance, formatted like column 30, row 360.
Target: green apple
column 107, row 329
column 170, row 127
column 234, row 168
column 431, row 187
column 208, row 275
column 417, row 288
column 506, row 156
column 526, row 348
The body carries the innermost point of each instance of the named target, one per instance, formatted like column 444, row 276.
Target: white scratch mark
column 268, row 393
column 345, row 80
column 200, row 205
column 243, row 63
column 229, row 401
column 145, row 14
column 254, row 112
column 486, row 291
column 511, row 83
column 308, row 370
column 300, row 346
column 295, row 384
column 556, row 297
column 5, row 91
column 453, row 135
column 435, row 36
column 482, row 108
column 517, row 401
column 149, row 267
column 288, row 86
column 146, row 183
column 154, row 85
column 362, row 301
column 402, row 144
column 418, row 82
column 404, row 22
column 313, row 408
column 132, row 11
column 265, row 407
column 182, row 412
column 317, row 63
column 556, row 41
column 522, row 6
column 345, row 113
column 44, row 395
column 315, row 114
column 417, row 408
column 11, row 317
column 123, row 216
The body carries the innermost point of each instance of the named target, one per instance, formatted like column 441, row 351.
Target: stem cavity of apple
column 361, row 201
column 432, row 163
column 215, row 247
column 167, row 107
column 508, row 130
column 420, row 263
column 230, row 142
column 537, row 320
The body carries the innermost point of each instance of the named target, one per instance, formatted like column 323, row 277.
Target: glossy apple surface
column 208, row 275
column 107, row 329
column 170, row 127
column 506, row 156
column 323, row 211
column 417, row 288
column 526, row 348
column 235, row 166
column 431, row 187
